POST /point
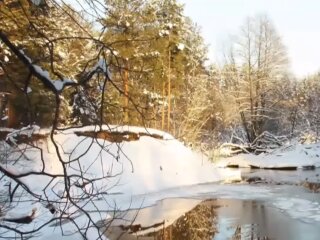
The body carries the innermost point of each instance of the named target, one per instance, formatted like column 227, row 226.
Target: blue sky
column 297, row 22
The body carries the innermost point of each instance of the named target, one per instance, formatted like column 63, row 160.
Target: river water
column 278, row 208
column 238, row 219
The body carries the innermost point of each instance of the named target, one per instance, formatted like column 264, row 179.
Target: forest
column 159, row 76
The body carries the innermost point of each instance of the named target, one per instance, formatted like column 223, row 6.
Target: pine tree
column 38, row 33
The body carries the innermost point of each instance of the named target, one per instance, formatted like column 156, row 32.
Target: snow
column 29, row 59
column 163, row 33
column 36, row 2
column 40, row 71
column 101, row 66
column 4, row 129
column 180, row 46
column 169, row 25
column 122, row 129
column 127, row 169
column 297, row 208
column 146, row 165
column 29, row 90
column 28, row 131
column 57, row 84
column 297, row 155
column 147, row 54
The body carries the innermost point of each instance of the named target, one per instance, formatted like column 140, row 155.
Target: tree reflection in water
column 248, row 232
column 198, row 223
column 202, row 223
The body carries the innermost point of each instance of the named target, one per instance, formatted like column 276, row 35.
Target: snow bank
column 126, row 168
column 299, row 156
column 141, row 166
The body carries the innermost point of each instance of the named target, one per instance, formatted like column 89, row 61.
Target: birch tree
column 261, row 59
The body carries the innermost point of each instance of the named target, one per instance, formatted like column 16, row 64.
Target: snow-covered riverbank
column 292, row 156
column 126, row 161
column 135, row 168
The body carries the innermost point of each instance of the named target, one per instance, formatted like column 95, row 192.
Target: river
column 277, row 207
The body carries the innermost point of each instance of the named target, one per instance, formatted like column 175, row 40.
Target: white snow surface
column 58, row 84
column 297, row 155
column 146, row 165
column 297, row 208
column 28, row 131
column 36, row 2
column 128, row 169
column 101, row 66
column 180, row 46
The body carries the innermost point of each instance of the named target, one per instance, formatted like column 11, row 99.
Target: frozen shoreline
column 293, row 156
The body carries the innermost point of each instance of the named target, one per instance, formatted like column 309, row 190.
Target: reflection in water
column 202, row 222
column 248, row 231
column 248, row 220
column 199, row 223
column 219, row 219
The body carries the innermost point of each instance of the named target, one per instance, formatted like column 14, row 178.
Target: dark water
column 216, row 219
column 256, row 220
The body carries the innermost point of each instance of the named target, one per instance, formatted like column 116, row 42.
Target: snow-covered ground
column 298, row 155
column 133, row 167
column 122, row 170
column 133, row 174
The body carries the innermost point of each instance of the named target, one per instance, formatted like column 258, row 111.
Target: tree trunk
column 126, row 92
column 169, row 91
column 163, row 106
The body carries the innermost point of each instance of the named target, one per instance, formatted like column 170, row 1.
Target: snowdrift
column 287, row 157
column 153, row 162
column 124, row 161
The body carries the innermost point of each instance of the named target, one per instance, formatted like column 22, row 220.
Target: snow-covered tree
column 259, row 61
column 156, row 47
column 40, row 33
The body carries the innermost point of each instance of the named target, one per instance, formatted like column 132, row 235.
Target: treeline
column 259, row 95
column 158, row 78
column 150, row 48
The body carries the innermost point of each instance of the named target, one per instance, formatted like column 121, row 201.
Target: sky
column 296, row 21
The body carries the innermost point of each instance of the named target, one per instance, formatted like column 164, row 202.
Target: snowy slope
column 127, row 168
column 143, row 166
column 298, row 155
